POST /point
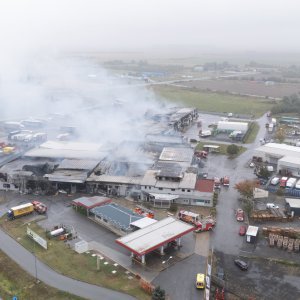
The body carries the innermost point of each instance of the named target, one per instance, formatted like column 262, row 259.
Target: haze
column 119, row 25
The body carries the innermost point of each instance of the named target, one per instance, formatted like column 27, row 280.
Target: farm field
column 247, row 87
column 214, row 102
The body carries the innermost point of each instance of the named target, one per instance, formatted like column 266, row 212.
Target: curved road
column 44, row 273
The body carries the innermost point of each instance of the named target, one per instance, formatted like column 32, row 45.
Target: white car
column 275, row 180
column 272, row 205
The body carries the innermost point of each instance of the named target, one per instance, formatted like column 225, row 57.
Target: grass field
column 214, row 102
column 16, row 282
column 78, row 266
column 252, row 136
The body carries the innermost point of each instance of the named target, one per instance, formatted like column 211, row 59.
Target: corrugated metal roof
column 115, row 214
column 114, row 179
column 188, row 181
column 90, row 202
column 78, row 164
column 70, row 176
column 151, row 237
column 177, row 154
column 291, row 160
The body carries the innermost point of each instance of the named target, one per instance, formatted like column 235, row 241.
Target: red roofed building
column 205, row 185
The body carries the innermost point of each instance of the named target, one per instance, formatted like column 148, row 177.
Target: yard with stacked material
column 78, row 266
column 215, row 102
column 16, row 282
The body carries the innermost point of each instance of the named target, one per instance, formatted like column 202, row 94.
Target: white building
column 286, row 157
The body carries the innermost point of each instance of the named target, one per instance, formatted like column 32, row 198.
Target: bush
column 158, row 294
column 232, row 149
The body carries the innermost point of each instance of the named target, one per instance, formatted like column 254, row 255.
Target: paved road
column 179, row 280
column 26, row 260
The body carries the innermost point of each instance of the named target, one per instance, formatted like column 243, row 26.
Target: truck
column 283, row 182
column 225, row 181
column 271, row 128
column 39, row 207
column 217, row 183
column 201, row 154
column 20, row 210
column 204, row 224
column 291, row 183
column 205, row 133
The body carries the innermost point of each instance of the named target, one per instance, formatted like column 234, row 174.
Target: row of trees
column 289, row 104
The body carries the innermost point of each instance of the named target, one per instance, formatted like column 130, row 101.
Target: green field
column 214, row 102
column 16, row 282
column 79, row 266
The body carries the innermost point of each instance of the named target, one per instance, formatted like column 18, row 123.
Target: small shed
column 251, row 234
column 85, row 204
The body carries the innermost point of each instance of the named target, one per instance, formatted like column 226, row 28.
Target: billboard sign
column 36, row 238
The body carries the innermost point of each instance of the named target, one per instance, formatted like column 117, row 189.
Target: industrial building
column 182, row 118
column 286, row 157
column 228, row 127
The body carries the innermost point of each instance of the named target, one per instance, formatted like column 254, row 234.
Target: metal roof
column 151, row 237
column 279, row 150
column 177, row 154
column 290, row 161
column 252, row 230
column 163, row 139
column 78, row 164
column 144, row 222
column 164, row 197
column 52, row 149
column 293, row 202
column 115, row 179
column 167, row 169
column 91, row 202
column 117, row 215
column 70, row 176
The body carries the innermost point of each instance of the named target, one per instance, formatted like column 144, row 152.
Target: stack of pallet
column 279, row 241
column 291, row 245
column 284, row 242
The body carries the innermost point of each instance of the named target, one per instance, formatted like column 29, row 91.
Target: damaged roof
column 78, row 164
column 177, row 154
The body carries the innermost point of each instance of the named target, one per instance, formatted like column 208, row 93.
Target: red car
column 242, row 230
column 240, row 215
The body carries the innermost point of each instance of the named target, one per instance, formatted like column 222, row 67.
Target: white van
column 275, row 180
column 291, row 183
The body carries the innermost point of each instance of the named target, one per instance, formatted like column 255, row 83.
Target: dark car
column 241, row 264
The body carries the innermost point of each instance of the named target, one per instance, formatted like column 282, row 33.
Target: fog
column 38, row 76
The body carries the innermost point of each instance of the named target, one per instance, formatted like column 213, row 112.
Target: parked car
column 242, row 230
column 239, row 215
column 241, row 264
column 271, row 205
column 263, row 181
column 275, row 180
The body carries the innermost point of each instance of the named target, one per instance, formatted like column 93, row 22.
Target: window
column 160, row 189
column 173, row 190
column 189, row 191
column 6, row 185
column 149, row 187
column 207, row 201
column 183, row 190
column 145, row 187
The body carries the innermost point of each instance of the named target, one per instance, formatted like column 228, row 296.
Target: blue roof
column 117, row 215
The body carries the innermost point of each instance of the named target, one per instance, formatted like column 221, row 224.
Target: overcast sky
column 137, row 24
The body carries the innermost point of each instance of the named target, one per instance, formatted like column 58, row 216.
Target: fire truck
column 201, row 224
column 140, row 210
column 39, row 207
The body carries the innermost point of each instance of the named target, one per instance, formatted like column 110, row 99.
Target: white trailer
column 271, row 128
column 297, row 186
column 232, row 126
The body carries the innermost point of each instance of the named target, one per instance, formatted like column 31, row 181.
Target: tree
column 158, row 294
column 280, row 135
column 245, row 188
column 264, row 173
column 232, row 149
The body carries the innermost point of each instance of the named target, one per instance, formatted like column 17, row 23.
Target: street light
column 167, row 261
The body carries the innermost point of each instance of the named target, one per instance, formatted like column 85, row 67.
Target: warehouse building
column 286, row 157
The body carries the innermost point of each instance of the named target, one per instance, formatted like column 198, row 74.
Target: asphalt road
column 179, row 280
column 26, row 260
